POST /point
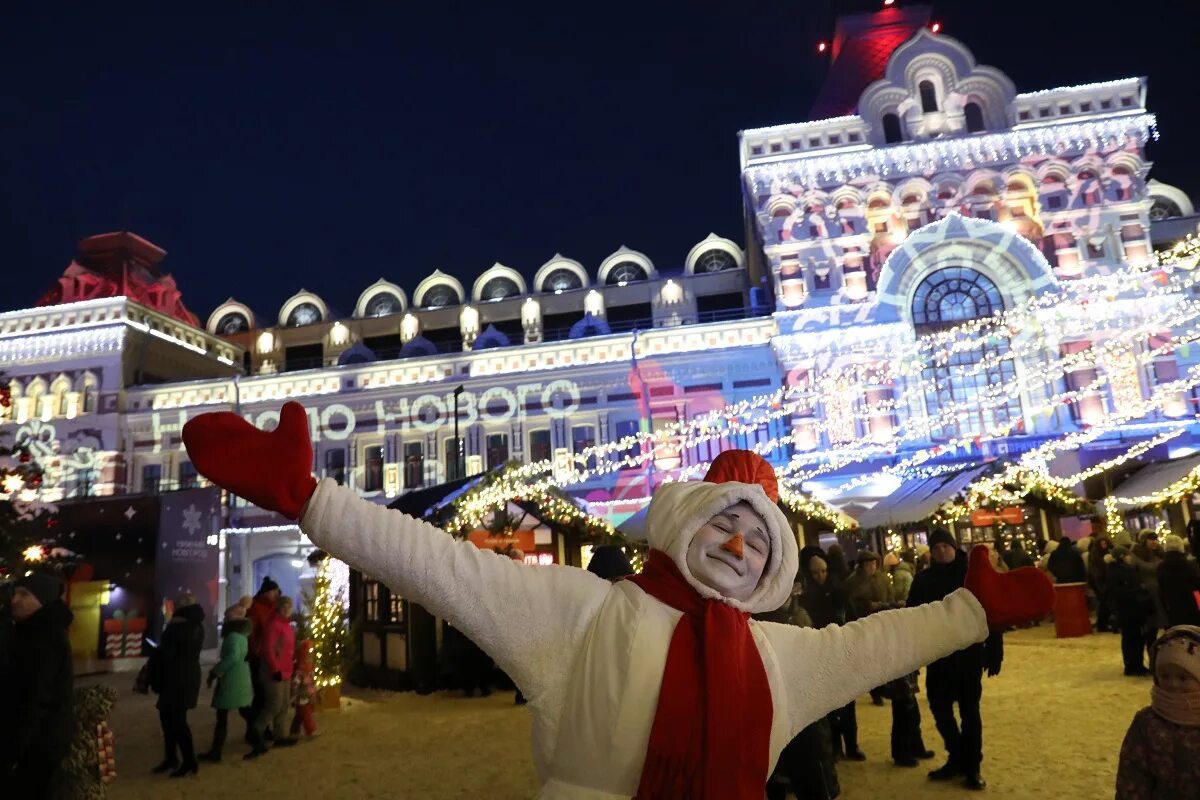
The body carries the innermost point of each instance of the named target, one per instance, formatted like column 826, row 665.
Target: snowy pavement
column 1053, row 721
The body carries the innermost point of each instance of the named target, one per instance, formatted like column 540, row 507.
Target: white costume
column 589, row 655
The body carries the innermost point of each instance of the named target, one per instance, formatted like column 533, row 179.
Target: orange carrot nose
column 735, row 545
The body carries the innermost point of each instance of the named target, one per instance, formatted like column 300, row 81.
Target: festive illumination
column 34, row 552
column 933, row 157
column 327, row 625
column 816, row 510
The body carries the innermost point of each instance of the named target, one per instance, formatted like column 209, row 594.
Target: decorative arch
column 229, row 318
column 1167, row 200
column 498, row 282
column 560, row 274
column 1006, row 258
column 625, row 262
column 88, row 385
column 303, row 308
column 713, row 254
column 438, row 290
column 780, row 205
column 920, row 187
column 35, row 390
column 381, row 299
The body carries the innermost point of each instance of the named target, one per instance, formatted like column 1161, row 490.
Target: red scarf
column 712, row 728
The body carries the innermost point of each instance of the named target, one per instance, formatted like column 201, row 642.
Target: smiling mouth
column 727, row 563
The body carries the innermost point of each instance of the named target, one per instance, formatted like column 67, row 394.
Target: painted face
column 24, row 604
column 730, row 551
column 1175, row 678
column 942, row 553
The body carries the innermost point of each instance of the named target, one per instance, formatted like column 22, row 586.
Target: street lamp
column 457, row 441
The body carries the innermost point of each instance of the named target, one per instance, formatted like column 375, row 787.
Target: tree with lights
column 27, row 525
column 327, row 624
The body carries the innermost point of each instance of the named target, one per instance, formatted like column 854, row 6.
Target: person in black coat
column 826, row 603
column 1017, row 556
column 1178, row 584
column 1066, row 563
column 175, row 678
column 957, row 678
column 36, row 689
column 1133, row 606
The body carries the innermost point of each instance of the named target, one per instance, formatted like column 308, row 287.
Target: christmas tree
column 327, row 624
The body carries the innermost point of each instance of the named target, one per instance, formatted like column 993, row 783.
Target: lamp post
column 457, row 441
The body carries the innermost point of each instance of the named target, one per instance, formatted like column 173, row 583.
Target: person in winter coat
column 1147, row 555
column 1017, row 556
column 835, row 559
column 807, row 763
column 276, row 664
column 36, row 690
column 1097, row 568
column 958, row 677
column 1066, row 564
column 175, row 678
column 261, row 609
column 1133, row 607
column 1178, row 584
column 867, row 588
column 902, row 577
column 659, row 685
column 1160, row 757
column 232, row 675
column 609, row 562
column 304, row 691
column 826, row 604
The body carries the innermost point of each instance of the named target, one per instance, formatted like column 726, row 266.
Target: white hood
column 679, row 510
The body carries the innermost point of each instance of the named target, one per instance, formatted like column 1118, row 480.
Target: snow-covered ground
column 1053, row 723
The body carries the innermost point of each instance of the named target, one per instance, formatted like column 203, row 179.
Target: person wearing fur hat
column 36, row 690
column 1178, row 584
column 1133, row 607
column 1160, row 756
column 958, row 677
column 232, row 676
column 657, row 686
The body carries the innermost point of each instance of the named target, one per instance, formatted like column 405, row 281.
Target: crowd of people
column 263, row 673
column 829, row 592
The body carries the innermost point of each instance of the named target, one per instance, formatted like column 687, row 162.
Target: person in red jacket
column 258, row 611
column 276, row 659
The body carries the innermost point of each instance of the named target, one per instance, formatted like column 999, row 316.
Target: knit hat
column 1180, row 646
column 45, row 587
column 1146, row 535
column 268, row 585
column 1172, row 543
column 866, row 555
column 678, row 511
column 941, row 536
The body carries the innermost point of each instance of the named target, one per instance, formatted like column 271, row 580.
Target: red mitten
column 272, row 470
column 1008, row 598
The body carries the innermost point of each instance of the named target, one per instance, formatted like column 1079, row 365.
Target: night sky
column 270, row 146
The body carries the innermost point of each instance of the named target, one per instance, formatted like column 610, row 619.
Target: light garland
column 327, row 625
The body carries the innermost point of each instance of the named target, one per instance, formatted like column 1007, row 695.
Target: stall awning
column 1154, row 478
column 917, row 499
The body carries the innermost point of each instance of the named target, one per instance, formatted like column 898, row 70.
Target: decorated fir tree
column 327, row 625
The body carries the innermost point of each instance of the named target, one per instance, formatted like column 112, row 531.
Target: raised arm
column 846, row 661
column 522, row 616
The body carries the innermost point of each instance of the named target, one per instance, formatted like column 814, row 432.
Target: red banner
column 983, row 518
column 521, row 540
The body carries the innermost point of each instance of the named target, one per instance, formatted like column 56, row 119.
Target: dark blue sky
column 268, row 146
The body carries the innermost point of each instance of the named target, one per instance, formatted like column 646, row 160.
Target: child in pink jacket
column 304, row 691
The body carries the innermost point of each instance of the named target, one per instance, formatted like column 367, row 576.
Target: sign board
column 1013, row 515
column 485, row 540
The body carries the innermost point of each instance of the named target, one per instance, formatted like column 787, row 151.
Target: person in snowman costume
column 659, row 686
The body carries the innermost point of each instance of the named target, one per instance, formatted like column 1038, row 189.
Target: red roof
column 862, row 45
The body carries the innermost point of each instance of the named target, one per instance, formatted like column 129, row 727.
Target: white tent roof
column 917, row 499
column 1155, row 477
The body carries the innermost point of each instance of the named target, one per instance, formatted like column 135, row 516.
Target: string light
column 327, row 624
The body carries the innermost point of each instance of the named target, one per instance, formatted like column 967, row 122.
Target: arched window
column 562, row 280
column 967, row 380
column 384, row 304
column 928, row 96
column 304, row 314
column 626, row 272
column 231, row 323
column 715, row 260
column 499, row 288
column 891, row 128
column 973, row 115
column 441, row 295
